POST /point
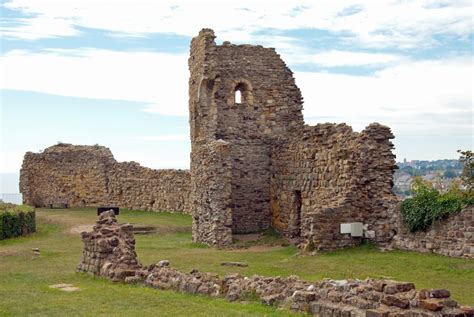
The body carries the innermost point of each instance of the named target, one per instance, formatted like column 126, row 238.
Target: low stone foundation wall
column 453, row 236
column 109, row 251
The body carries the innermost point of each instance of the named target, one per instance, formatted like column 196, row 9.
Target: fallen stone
column 398, row 287
column 60, row 285
column 393, row 300
column 133, row 279
column 163, row 263
column 468, row 310
column 311, row 288
column 270, row 300
column 440, row 293
column 304, row 296
column 431, row 304
column 379, row 285
column 64, row 287
column 69, row 289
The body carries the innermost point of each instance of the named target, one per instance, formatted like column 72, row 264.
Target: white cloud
column 42, row 26
column 374, row 23
column 346, row 58
column 11, row 160
column 153, row 157
column 408, row 96
column 155, row 78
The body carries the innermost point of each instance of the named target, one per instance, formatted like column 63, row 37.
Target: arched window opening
column 238, row 95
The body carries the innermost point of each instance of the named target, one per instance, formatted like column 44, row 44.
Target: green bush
column 16, row 220
column 429, row 205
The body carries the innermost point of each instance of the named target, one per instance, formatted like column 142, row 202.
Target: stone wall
column 453, row 236
column 304, row 181
column 326, row 175
column 109, row 252
column 212, row 200
column 81, row 175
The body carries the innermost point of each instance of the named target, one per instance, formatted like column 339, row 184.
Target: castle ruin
column 255, row 164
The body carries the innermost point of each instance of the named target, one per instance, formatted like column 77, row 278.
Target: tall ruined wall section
column 79, row 175
column 212, row 194
column 326, row 175
column 453, row 236
column 76, row 175
column 270, row 106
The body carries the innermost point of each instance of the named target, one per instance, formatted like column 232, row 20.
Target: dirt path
column 80, row 228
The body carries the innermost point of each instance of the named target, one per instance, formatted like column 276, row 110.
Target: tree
column 467, row 176
column 449, row 174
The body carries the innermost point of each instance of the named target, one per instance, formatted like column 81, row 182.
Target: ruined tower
column 255, row 164
column 244, row 96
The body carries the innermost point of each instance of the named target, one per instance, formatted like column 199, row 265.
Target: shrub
column 16, row 220
column 467, row 158
column 429, row 205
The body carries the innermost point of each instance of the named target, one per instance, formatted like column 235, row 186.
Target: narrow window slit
column 238, row 96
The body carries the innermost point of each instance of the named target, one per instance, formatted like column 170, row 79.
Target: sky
column 115, row 73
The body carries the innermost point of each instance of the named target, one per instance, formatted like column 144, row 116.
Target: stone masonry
column 109, row 251
column 453, row 236
column 81, row 175
column 302, row 180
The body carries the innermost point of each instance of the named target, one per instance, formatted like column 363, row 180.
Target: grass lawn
column 24, row 277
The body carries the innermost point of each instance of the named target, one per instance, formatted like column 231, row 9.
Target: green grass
column 24, row 277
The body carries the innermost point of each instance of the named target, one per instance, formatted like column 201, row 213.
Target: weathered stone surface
column 453, row 236
column 109, row 250
column 81, row 175
column 431, row 304
column 468, row 310
column 393, row 300
column 163, row 263
column 398, row 287
column 440, row 293
column 376, row 313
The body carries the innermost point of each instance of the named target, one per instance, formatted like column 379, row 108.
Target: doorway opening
column 296, row 223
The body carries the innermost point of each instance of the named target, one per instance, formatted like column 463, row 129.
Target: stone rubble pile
column 109, row 251
column 326, row 298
